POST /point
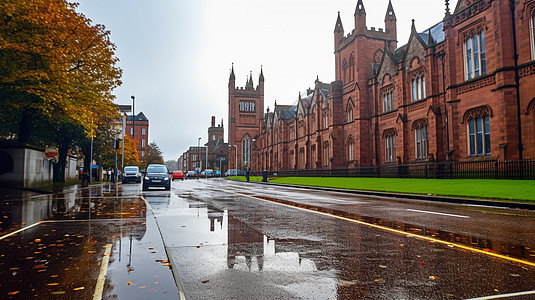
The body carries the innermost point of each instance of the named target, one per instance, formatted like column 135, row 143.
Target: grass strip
column 467, row 188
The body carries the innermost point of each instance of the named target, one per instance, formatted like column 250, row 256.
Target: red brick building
column 454, row 92
column 246, row 116
column 138, row 128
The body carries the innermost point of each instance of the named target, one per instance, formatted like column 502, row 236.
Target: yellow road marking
column 427, row 238
column 99, row 289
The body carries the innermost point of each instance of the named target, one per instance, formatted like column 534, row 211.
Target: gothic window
column 388, row 100
column 421, row 139
column 246, row 150
column 247, row 106
column 351, row 67
column 532, row 33
column 142, row 142
column 344, row 69
column 325, row 120
column 350, row 149
column 418, row 87
column 478, row 132
column 389, row 136
column 326, row 154
column 474, row 55
column 143, row 131
column 350, row 113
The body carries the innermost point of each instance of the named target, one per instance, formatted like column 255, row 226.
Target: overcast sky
column 176, row 54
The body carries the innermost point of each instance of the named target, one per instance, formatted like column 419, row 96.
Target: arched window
column 532, row 33
column 388, row 100
column 246, row 150
column 350, row 149
column 418, row 87
column 389, row 136
column 474, row 55
column 478, row 131
column 349, row 113
column 421, row 138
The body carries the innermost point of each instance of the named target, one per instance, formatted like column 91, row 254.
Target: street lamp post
column 199, row 156
column 236, row 162
column 220, row 170
column 206, row 165
column 134, row 120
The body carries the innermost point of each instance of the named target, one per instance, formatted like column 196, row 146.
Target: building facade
column 138, row 128
column 462, row 90
column 245, row 109
column 196, row 159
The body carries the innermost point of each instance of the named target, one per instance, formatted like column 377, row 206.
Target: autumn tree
column 56, row 68
column 154, row 155
column 131, row 156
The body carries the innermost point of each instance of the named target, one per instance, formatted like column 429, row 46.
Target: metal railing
column 492, row 169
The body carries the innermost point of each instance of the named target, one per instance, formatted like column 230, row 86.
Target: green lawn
column 470, row 188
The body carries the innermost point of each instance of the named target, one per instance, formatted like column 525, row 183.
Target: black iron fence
column 493, row 169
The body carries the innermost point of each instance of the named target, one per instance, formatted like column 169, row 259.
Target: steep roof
column 139, row 117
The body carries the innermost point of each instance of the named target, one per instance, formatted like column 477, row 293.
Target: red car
column 178, row 175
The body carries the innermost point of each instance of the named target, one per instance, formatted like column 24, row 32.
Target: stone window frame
column 466, row 35
column 388, row 100
column 389, row 135
column 478, row 137
column 421, row 138
column 418, row 86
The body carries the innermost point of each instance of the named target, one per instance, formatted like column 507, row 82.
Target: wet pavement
column 59, row 254
column 250, row 248
column 234, row 240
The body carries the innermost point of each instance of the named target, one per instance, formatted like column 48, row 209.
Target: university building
column 462, row 90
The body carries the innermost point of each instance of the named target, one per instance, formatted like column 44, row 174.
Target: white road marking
column 20, row 230
column 504, row 296
column 437, row 213
column 99, row 289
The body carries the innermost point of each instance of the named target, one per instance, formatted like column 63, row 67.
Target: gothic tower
column 245, row 108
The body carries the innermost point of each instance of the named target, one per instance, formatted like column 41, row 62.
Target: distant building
column 141, row 134
column 195, row 157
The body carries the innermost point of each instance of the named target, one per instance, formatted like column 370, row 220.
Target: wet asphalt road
column 234, row 240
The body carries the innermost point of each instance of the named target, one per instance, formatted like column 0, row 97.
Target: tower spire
column 360, row 9
column 261, row 77
column 232, row 76
column 338, row 27
column 390, row 14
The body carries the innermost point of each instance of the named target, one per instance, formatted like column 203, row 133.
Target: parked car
column 178, row 175
column 131, row 174
column 156, row 176
column 190, row 174
column 207, row 173
column 232, row 172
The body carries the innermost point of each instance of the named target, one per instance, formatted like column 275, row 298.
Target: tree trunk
column 25, row 127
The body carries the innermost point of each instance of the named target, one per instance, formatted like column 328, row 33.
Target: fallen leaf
column 434, row 277
column 91, row 251
column 205, row 281
column 156, row 282
column 129, row 283
column 78, row 288
column 515, row 275
column 382, row 266
column 377, row 280
column 53, row 276
column 150, row 248
column 39, row 266
column 13, row 293
column 421, row 263
column 143, row 287
column 166, row 264
column 58, row 293
column 37, row 240
column 52, row 284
